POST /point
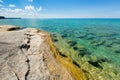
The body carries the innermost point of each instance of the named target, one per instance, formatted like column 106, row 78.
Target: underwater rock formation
column 71, row 43
column 64, row 35
column 81, row 51
column 94, row 67
column 98, row 43
column 54, row 37
column 82, row 36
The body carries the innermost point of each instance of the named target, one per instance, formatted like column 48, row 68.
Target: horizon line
column 70, row 18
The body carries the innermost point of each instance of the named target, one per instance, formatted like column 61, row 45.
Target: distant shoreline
column 2, row 17
column 12, row 18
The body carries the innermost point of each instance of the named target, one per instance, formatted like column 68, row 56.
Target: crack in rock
column 25, row 46
column 27, row 73
column 16, row 76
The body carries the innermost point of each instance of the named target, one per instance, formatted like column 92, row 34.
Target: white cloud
column 28, row 12
column 1, row 1
column 29, row 8
column 40, row 8
column 30, row 0
column 12, row 5
column 17, row 10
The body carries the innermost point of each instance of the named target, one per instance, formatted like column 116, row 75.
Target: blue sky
column 60, row 8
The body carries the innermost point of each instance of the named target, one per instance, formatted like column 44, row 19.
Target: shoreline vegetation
column 44, row 57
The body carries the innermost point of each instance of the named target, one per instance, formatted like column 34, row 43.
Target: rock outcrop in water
column 29, row 54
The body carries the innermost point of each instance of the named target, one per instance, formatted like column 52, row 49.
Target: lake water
column 93, row 43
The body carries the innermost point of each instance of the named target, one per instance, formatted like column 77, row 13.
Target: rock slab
column 25, row 55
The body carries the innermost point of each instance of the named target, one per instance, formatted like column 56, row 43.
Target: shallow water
column 96, row 41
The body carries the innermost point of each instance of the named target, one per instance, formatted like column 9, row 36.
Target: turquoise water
column 90, row 31
column 101, row 37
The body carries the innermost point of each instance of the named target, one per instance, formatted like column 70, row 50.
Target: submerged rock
column 64, row 35
column 90, row 37
column 95, row 64
column 108, row 43
column 72, row 43
column 76, row 48
column 54, row 38
column 81, row 36
column 81, row 51
column 106, row 34
column 98, row 43
column 117, row 51
column 96, row 61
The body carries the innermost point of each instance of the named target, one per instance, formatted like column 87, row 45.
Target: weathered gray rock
column 24, row 55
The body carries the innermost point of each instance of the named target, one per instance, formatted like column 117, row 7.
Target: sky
column 60, row 8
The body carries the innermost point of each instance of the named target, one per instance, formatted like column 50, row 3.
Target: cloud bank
column 29, row 11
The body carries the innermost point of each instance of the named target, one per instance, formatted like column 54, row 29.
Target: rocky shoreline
column 29, row 54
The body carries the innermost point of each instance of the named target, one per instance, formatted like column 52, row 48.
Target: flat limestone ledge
column 8, row 28
column 26, row 55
